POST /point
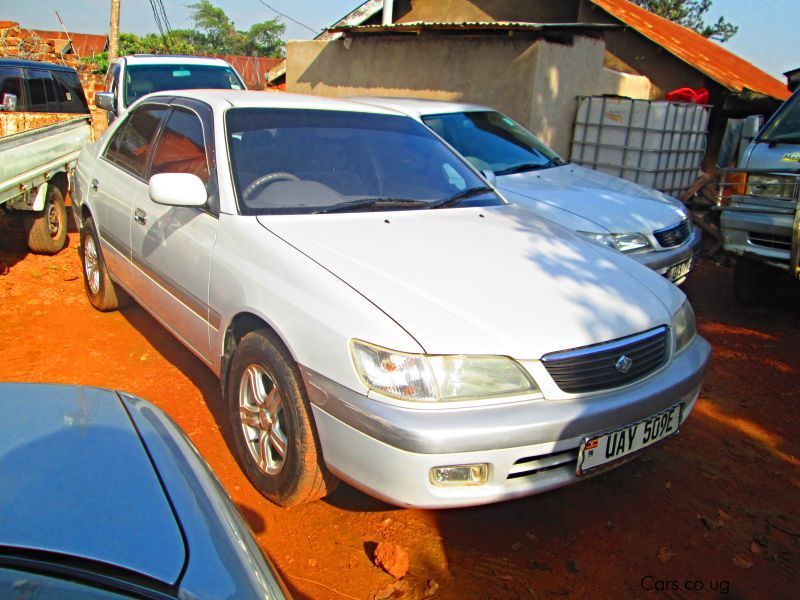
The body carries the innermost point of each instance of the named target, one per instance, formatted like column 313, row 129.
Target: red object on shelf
column 698, row 96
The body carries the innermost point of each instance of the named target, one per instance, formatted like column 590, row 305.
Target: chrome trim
column 605, row 346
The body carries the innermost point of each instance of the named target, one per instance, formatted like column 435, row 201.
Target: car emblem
column 623, row 364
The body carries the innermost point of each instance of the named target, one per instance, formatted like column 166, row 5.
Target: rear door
column 172, row 245
column 118, row 181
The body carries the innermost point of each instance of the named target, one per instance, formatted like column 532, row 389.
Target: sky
column 766, row 37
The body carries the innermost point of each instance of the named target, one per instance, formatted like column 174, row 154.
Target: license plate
column 607, row 447
column 680, row 270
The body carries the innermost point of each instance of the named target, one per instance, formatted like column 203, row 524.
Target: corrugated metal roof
column 710, row 58
column 357, row 16
column 475, row 26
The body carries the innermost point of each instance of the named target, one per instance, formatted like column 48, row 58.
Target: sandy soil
column 713, row 512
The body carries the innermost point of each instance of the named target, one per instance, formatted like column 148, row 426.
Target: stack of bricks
column 17, row 42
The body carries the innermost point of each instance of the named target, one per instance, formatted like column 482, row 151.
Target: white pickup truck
column 44, row 123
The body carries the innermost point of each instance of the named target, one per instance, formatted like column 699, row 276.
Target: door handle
column 140, row 216
column 95, row 184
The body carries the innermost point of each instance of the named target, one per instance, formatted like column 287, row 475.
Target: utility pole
column 113, row 32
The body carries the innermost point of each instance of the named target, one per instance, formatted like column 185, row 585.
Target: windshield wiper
column 553, row 162
column 783, row 138
column 452, row 200
column 364, row 202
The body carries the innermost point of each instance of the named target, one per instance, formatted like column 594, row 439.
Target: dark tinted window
column 69, row 92
column 11, row 83
column 785, row 126
column 16, row 583
column 43, row 91
column 181, row 148
column 301, row 161
column 144, row 79
column 491, row 140
column 130, row 147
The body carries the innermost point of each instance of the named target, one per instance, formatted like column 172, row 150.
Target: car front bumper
column 530, row 446
column 662, row 260
column 761, row 235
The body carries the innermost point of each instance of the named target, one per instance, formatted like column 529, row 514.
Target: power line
column 314, row 31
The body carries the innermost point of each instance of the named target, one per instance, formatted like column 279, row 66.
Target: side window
column 131, row 144
column 11, row 83
column 181, row 148
column 70, row 92
column 43, row 91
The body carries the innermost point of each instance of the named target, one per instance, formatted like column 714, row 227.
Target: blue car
column 103, row 496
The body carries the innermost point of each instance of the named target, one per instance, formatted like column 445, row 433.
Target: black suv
column 42, row 87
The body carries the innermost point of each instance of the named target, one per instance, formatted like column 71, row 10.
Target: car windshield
column 145, row 79
column 491, row 140
column 785, row 127
column 291, row 161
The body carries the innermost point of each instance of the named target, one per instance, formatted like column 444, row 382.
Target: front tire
column 270, row 423
column 47, row 230
column 100, row 290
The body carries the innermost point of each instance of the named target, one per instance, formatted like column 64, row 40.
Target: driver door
column 172, row 245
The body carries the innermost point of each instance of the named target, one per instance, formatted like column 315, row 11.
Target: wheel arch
column 239, row 326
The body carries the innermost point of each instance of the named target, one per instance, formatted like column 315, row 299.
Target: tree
column 218, row 34
column 690, row 13
column 214, row 33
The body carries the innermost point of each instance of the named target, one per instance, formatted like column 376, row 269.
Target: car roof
column 173, row 59
column 79, row 482
column 17, row 62
column 419, row 106
column 224, row 98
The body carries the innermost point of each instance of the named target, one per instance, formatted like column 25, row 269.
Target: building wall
column 534, row 82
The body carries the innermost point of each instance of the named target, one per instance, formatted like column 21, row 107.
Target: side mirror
column 489, row 175
column 9, row 102
column 177, row 189
column 104, row 100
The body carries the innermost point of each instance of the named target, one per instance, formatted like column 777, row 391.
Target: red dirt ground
column 714, row 512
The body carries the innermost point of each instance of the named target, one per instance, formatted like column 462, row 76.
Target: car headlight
column 683, row 326
column 624, row 242
column 426, row 378
column 770, row 186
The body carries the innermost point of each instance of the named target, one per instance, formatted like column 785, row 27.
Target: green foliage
column 690, row 13
column 218, row 34
column 214, row 33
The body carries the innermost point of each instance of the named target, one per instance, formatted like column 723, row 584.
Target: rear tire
column 47, row 230
column 100, row 290
column 754, row 283
column 271, row 425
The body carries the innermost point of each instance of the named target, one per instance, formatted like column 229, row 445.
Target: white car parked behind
column 645, row 224
column 373, row 309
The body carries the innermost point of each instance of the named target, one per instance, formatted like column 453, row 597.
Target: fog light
column 460, row 475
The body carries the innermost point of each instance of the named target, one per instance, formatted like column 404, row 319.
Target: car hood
column 603, row 203
column 82, row 483
column 484, row 280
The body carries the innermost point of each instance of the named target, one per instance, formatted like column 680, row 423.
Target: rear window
column 43, row 91
column 69, row 92
column 11, row 83
column 145, row 79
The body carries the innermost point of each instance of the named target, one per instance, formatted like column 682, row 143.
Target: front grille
column 767, row 240
column 532, row 465
column 675, row 235
column 594, row 368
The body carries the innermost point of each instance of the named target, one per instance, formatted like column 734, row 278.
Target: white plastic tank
column 656, row 143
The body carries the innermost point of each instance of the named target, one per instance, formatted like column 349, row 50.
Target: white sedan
column 375, row 312
column 645, row 224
